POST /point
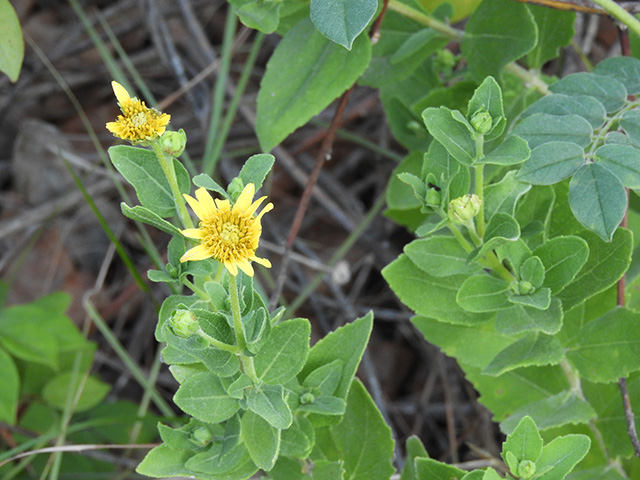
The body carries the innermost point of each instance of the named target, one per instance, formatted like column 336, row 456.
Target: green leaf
column 521, row 318
column 607, row 262
column 22, row 335
column 453, row 178
column 454, row 133
column 525, row 442
column 324, row 405
column 597, row 199
column 623, row 69
column 325, row 378
column 11, row 41
column 62, row 389
column 512, row 151
column 215, row 325
column 256, row 327
column 488, row 98
column 560, row 456
column 608, row 91
column 363, row 438
column 474, row 345
column 440, row 256
column 142, row 170
column 285, row 352
column 261, row 15
column 346, row 344
column 415, row 449
column 503, row 196
column 540, row 299
column 555, row 30
column 341, row 21
column 417, row 185
column 517, row 388
column 541, row 128
column 262, row 440
column 532, row 349
column 502, row 228
column 163, row 462
column 315, row 71
column 622, row 161
column 483, row 293
column 268, row 401
column 413, row 286
column 425, row 39
column 205, row 181
column 532, row 270
column 298, row 440
column 430, row 469
column 9, row 393
column 562, row 257
column 560, row 104
column 630, row 122
column 230, row 464
column 203, row 396
column 498, row 32
column 607, row 348
column 256, row 168
column 551, row 163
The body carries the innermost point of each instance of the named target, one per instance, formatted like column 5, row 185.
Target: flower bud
column 173, row 143
column 235, row 188
column 201, row 436
column 526, row 469
column 481, row 122
column 307, row 398
column 463, row 209
column 525, row 288
column 184, row 323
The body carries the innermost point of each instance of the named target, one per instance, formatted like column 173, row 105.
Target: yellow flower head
column 229, row 234
column 138, row 123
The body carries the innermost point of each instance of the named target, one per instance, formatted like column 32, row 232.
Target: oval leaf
column 608, row 91
column 597, row 199
column 551, row 163
column 483, row 293
column 341, row 21
column 11, row 41
column 541, row 128
column 623, row 161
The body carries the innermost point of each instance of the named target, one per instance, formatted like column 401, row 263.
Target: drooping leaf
column 341, row 21
column 555, row 30
column 315, row 72
column 497, row 33
column 597, row 199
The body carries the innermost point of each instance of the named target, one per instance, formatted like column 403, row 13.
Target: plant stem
column 237, row 315
column 480, row 183
column 619, row 13
column 167, row 167
column 217, row 343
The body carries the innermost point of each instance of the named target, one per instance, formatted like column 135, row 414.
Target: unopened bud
column 307, row 398
column 201, row 436
column 173, row 143
column 526, row 469
column 463, row 209
column 235, row 187
column 481, row 122
column 184, row 323
column 525, row 288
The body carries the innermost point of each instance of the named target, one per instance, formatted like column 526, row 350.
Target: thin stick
column 323, row 155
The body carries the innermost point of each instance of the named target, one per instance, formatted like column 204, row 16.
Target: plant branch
column 619, row 13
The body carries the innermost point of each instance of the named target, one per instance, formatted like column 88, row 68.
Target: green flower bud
column 173, row 143
column 433, row 197
column 184, row 323
column 235, row 188
column 445, row 58
column 172, row 270
column 525, row 288
column 307, row 398
column 526, row 469
column 201, row 436
column 463, row 209
column 481, row 122
column 415, row 127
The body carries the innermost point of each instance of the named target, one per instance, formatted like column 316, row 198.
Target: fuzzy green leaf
column 488, row 98
column 597, row 199
column 541, row 128
column 483, row 293
column 440, row 256
column 341, row 21
column 623, row 69
column 203, row 396
column 454, row 133
column 607, row 90
column 430, row 469
column 284, row 354
column 142, row 214
column 560, row 104
column 268, row 401
column 560, row 456
column 262, row 440
column 540, row 299
column 562, row 257
column 521, row 318
column 525, row 442
column 551, row 163
column 11, row 41
column 622, row 161
column 315, row 72
column 256, row 168
column 512, row 151
column 555, row 30
column 532, row 349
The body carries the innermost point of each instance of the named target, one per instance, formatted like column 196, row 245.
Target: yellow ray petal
column 195, row 206
column 245, row 198
column 206, row 202
column 223, row 205
column 262, row 261
column 233, row 270
column 121, row 93
column 267, row 208
column 193, row 233
column 199, row 252
column 246, row 267
column 254, row 206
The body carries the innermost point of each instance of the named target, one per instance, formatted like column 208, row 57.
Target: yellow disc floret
column 138, row 123
column 229, row 234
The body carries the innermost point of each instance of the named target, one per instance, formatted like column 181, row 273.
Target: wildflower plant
column 256, row 395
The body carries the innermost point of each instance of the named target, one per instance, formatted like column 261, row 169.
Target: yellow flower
column 139, row 123
column 229, row 234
